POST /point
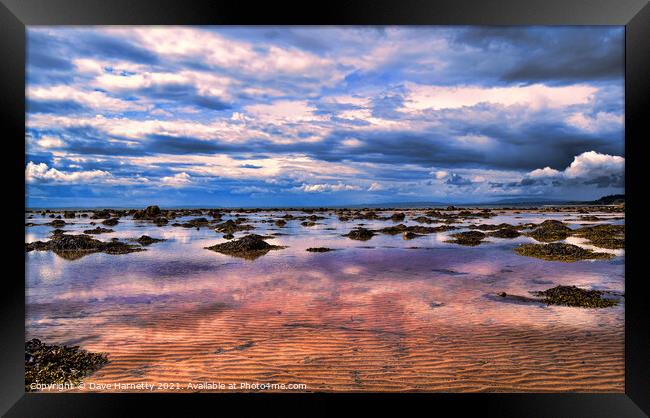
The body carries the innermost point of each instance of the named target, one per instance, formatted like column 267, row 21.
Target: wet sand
column 385, row 318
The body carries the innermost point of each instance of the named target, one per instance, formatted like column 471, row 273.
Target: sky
column 128, row 116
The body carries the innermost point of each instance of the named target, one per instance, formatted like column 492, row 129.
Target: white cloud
column 586, row 166
column 325, row 188
column 50, row 142
column 41, row 172
column 536, row 96
column 544, row 172
column 92, row 99
column 592, row 163
column 600, row 122
column 375, row 187
column 177, row 180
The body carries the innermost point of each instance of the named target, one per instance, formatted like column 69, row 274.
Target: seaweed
column 73, row 247
column 509, row 232
column 360, row 234
column 559, row 252
column 550, row 231
column 469, row 238
column 54, row 364
column 97, row 230
column 147, row 240
column 603, row 236
column 230, row 227
column 249, row 247
column 319, row 249
column 574, row 296
column 111, row 222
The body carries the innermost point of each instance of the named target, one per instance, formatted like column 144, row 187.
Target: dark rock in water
column 417, row 229
column 59, row 231
column 149, row 213
column 57, row 223
column 228, row 236
column 68, row 214
column 101, row 214
column 505, row 233
column 424, row 220
column 147, row 240
column 52, row 364
column 195, row 223
column 469, row 238
column 319, row 249
column 410, row 235
column 73, row 247
column 161, row 221
column 250, row 247
column 230, row 227
column 360, row 234
column 559, row 252
column 397, row 217
column 574, row 296
column 280, row 223
column 97, row 230
column 308, row 223
column 603, row 236
column 550, row 231
column 111, row 222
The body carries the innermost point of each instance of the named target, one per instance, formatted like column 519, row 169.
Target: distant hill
column 612, row 199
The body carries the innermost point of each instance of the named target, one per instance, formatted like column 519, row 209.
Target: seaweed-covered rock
column 308, row 223
column 603, row 236
column 319, row 249
column 250, row 247
column 98, row 230
column 111, row 221
column 195, row 223
column 57, row 223
column 280, row 223
column 397, row 217
column 360, row 234
column 73, row 247
column 574, row 296
column 505, row 233
column 228, row 236
column 69, row 214
column 147, row 240
column 559, row 252
column 550, row 231
column 161, row 221
column 53, row 364
column 410, row 235
column 416, row 229
column 469, row 238
column 149, row 213
column 101, row 214
column 230, row 227
column 424, row 220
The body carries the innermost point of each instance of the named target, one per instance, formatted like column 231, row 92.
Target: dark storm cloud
column 563, row 55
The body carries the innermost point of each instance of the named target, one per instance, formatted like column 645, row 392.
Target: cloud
column 177, row 180
column 589, row 168
column 384, row 112
column 42, row 173
column 457, row 180
column 327, row 188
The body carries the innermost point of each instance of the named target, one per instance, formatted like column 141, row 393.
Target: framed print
column 381, row 200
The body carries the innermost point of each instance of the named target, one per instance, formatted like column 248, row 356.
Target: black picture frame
column 15, row 15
